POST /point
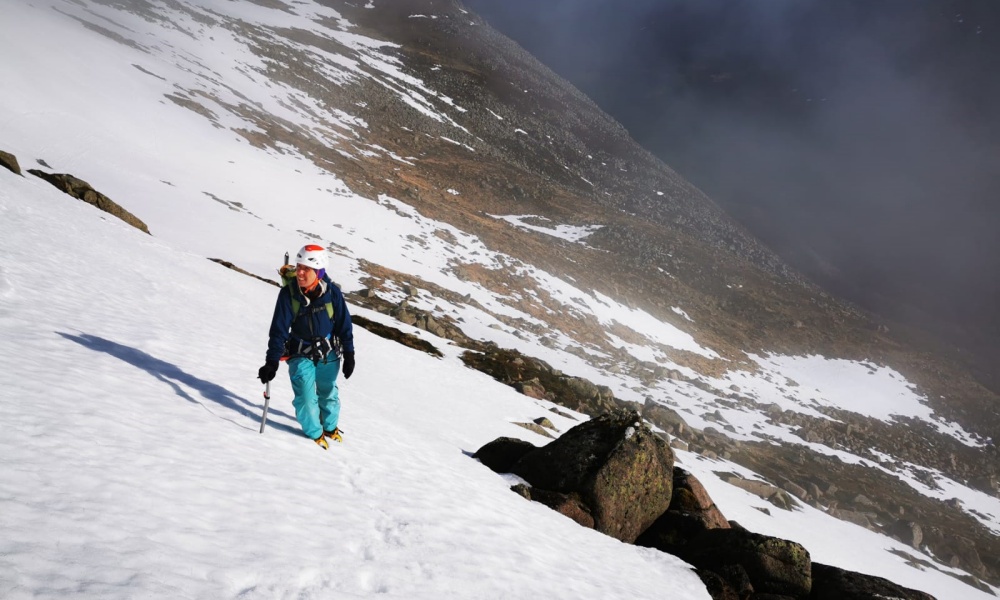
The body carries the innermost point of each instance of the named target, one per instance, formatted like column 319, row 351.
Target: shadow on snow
column 178, row 379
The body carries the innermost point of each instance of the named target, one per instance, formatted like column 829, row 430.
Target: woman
column 312, row 328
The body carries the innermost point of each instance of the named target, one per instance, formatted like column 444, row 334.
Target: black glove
column 268, row 371
column 348, row 364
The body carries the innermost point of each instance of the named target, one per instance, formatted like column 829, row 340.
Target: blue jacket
column 313, row 320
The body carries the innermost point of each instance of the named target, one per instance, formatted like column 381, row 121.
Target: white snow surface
column 570, row 233
column 130, row 460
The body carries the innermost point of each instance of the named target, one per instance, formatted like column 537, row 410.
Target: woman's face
column 306, row 276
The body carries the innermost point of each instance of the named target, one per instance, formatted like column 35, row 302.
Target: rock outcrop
column 612, row 468
column 537, row 379
column 82, row 190
column 771, row 565
column 9, row 162
column 691, row 512
column 613, row 474
column 831, row 583
column 501, row 454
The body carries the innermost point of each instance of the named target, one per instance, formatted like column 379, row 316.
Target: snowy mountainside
column 186, row 114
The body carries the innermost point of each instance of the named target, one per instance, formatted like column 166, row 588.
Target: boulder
column 852, row 516
column 568, row 505
column 537, row 379
column 758, row 488
column 689, row 496
column 674, row 529
column 545, row 422
column 501, row 454
column 794, row 489
column 731, row 583
column 773, row 565
column 832, row 583
column 663, row 417
column 391, row 333
column 9, row 162
column 908, row 532
column 615, row 465
column 536, row 428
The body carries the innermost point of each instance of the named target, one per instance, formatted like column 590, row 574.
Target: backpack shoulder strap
column 287, row 273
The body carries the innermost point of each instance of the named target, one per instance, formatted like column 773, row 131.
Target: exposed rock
column 544, row 422
column 908, row 532
column 689, row 496
column 831, row 583
column 987, row 483
column 731, row 583
column 966, row 557
column 229, row 265
column 615, row 465
column 759, row 488
column 537, row 379
column 531, row 389
column 501, row 454
column 672, row 531
column 852, row 516
column 566, row 504
column 795, row 490
column 82, row 190
column 691, row 512
column 663, row 417
column 522, row 490
column 814, row 491
column 535, row 427
column 391, row 333
column 9, row 162
column 773, row 565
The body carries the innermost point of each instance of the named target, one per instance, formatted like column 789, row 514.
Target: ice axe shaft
column 267, row 402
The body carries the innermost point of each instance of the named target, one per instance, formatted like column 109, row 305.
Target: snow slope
column 130, row 464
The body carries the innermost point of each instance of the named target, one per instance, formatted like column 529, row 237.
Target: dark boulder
column 691, row 512
column 730, row 583
column 614, row 464
column 568, row 505
column 773, row 565
column 671, row 532
column 690, row 497
column 831, row 583
column 501, row 454
column 9, row 162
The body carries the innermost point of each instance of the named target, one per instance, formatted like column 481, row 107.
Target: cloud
column 860, row 140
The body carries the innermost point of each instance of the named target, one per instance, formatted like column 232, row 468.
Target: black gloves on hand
column 268, row 371
column 348, row 364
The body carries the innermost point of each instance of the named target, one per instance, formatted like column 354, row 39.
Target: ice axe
column 267, row 389
column 267, row 402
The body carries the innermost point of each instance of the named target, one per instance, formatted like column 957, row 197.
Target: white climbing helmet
column 312, row 256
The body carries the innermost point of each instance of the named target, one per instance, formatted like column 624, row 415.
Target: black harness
column 315, row 348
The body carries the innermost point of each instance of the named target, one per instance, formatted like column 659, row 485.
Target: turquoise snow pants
column 317, row 401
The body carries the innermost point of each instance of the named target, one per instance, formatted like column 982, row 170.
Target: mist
column 860, row 140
